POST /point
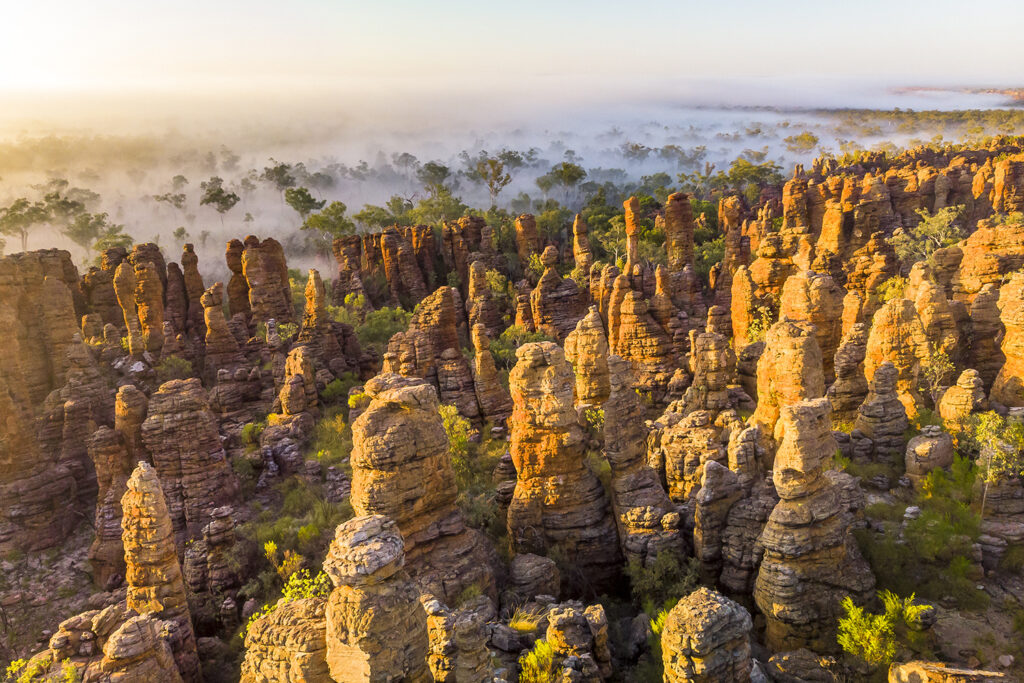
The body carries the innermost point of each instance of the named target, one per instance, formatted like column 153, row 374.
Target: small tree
column 1000, row 444
column 216, row 196
column 935, row 231
column 331, row 222
column 492, row 172
column 21, row 217
column 302, row 201
column 937, row 370
column 434, row 176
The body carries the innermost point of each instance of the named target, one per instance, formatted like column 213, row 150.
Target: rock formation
column 882, row 417
column 789, row 371
column 712, row 365
column 555, row 303
column 929, row 450
column 113, row 467
column 706, row 637
column 266, row 275
column 155, row 583
column 1008, row 386
column 851, row 386
column 814, row 299
column 559, row 506
column 289, row 645
column 180, row 435
column 401, row 468
column 897, row 336
column 962, row 399
column 811, row 561
column 646, row 519
column 494, row 400
column 582, row 254
column 586, row 348
column 376, row 626
column 527, row 238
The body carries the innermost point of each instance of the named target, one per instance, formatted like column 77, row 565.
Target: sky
column 362, row 48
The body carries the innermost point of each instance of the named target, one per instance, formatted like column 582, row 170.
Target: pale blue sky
column 340, row 45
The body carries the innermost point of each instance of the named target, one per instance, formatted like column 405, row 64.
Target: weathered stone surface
column 706, row 638
column 680, row 450
column 962, row 399
column 527, row 238
column 929, row 450
column 936, row 672
column 332, row 346
column 556, row 304
column 984, row 353
column 712, row 365
column 155, row 584
column 401, row 468
column 789, row 371
column 1008, row 386
column 481, row 306
column 180, row 435
column 640, row 340
column 882, row 417
column 529, row 576
column 811, row 561
column 113, row 466
column 582, row 254
column 586, row 348
column 850, row 388
column 37, row 489
column 646, row 519
column 376, row 625
column 898, row 337
column 719, row 490
column 137, row 651
column 348, row 253
column 814, row 299
column 289, row 645
column 238, row 287
column 222, row 350
column 989, row 254
column 679, row 231
column 266, row 274
column 581, row 634
column 559, row 506
column 494, row 400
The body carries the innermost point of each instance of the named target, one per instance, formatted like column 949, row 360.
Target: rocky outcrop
column 882, row 417
column 962, row 399
column 937, row 672
column 266, row 274
column 984, row 353
column 898, row 337
column 529, row 576
column 586, row 348
column 481, row 306
column 430, row 349
column 814, row 299
column 1008, row 386
column 582, row 254
column 348, row 253
column 851, row 386
column 679, row 231
column 929, row 450
column 712, row 366
column 333, row 346
column 679, row 450
column 646, row 519
column 113, row 467
column 288, row 645
column 640, row 340
column 155, row 584
column 559, row 507
column 789, row 371
column 811, row 561
column 989, row 254
column 706, row 637
column 401, row 468
column 719, row 490
column 376, row 626
column 238, row 286
column 494, row 400
column 555, row 303
column 527, row 238
column 180, row 435
column 222, row 350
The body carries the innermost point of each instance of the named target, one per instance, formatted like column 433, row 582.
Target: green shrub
column 251, row 433
column 173, row 367
column 893, row 288
column 527, row 620
column 668, row 578
column 458, row 430
column 380, row 325
column 332, row 438
column 504, row 347
column 300, row 585
column 875, row 639
column 337, row 390
column 538, row 665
